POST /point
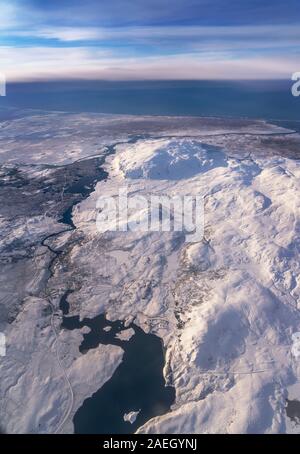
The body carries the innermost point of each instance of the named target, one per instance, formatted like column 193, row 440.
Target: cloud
column 87, row 63
column 165, row 12
column 9, row 17
column 279, row 33
column 144, row 40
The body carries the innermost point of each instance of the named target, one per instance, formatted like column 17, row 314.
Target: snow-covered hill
column 226, row 306
column 230, row 302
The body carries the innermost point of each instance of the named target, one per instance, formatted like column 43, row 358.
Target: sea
column 270, row 100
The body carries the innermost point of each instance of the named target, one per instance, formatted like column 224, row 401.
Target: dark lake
column 137, row 384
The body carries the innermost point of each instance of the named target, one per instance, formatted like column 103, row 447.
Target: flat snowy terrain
column 226, row 307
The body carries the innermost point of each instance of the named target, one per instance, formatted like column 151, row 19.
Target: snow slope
column 169, row 160
column 226, row 306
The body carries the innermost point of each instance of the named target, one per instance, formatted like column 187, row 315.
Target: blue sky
column 149, row 39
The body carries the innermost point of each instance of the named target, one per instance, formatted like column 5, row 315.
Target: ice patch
column 131, row 416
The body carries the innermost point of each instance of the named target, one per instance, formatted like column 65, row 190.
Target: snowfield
column 168, row 160
column 230, row 301
column 226, row 307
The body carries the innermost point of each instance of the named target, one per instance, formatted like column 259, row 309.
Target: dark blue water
column 267, row 99
column 289, row 124
column 137, row 384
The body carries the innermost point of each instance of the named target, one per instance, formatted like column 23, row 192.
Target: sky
column 149, row 39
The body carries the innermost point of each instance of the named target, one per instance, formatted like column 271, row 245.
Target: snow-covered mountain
column 226, row 307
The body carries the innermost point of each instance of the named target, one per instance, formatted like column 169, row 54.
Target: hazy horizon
column 270, row 99
column 149, row 40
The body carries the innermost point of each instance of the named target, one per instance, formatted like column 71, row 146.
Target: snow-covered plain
column 226, row 307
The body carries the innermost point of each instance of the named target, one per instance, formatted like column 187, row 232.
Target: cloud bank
column 51, row 40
